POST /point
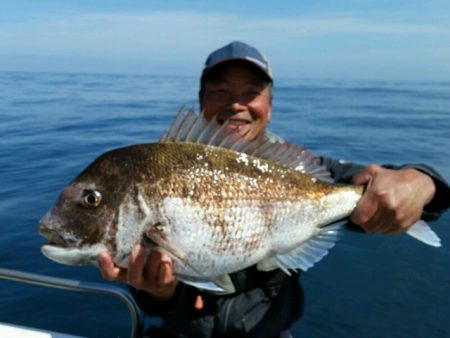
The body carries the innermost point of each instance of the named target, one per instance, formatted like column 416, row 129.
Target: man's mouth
column 237, row 122
column 238, row 125
column 234, row 123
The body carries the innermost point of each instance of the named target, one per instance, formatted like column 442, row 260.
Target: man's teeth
column 237, row 122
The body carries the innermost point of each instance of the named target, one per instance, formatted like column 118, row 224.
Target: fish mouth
column 55, row 238
column 64, row 248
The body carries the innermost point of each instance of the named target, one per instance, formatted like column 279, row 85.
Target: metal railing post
column 80, row 286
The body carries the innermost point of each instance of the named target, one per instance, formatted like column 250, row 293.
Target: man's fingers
column 165, row 274
column 364, row 210
column 153, row 275
column 378, row 223
column 152, row 266
column 365, row 176
column 362, row 178
column 160, row 268
column 136, row 265
column 366, row 207
column 108, row 269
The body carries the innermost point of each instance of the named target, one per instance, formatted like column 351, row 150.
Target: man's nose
column 237, row 106
column 237, row 103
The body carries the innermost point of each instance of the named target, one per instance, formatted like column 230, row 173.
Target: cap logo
column 262, row 64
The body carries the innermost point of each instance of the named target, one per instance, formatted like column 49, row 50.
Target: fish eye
column 91, row 198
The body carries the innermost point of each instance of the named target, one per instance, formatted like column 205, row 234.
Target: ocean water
column 53, row 125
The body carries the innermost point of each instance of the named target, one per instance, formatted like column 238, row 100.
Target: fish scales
column 240, row 203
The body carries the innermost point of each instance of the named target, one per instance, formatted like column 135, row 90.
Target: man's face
column 240, row 94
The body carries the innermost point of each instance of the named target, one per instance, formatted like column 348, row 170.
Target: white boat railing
column 81, row 286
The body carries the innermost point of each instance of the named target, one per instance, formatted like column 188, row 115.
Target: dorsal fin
column 193, row 128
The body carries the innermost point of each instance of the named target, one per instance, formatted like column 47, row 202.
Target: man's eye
column 252, row 93
column 219, row 92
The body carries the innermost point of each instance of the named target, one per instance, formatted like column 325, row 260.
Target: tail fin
column 421, row 231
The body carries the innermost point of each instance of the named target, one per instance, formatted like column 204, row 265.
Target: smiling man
column 236, row 85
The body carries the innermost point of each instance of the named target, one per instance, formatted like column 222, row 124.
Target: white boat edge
column 9, row 330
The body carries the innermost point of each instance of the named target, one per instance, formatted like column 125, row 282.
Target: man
column 236, row 86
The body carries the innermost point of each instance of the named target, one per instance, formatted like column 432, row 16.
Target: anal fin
column 217, row 285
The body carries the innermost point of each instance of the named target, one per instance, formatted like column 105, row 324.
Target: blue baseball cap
column 237, row 50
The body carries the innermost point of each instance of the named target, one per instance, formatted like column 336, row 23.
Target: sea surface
column 53, row 125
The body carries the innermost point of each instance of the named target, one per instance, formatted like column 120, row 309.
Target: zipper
column 227, row 313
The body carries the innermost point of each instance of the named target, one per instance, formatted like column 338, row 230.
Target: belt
column 251, row 278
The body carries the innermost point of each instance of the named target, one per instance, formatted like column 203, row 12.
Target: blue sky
column 362, row 39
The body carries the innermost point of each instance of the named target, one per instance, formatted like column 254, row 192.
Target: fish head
column 83, row 220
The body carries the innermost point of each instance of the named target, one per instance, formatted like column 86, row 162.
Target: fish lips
column 50, row 229
column 53, row 237
column 73, row 256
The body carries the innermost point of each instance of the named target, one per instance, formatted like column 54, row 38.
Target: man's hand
column 153, row 275
column 393, row 199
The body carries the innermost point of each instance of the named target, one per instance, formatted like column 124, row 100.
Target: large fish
column 214, row 201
